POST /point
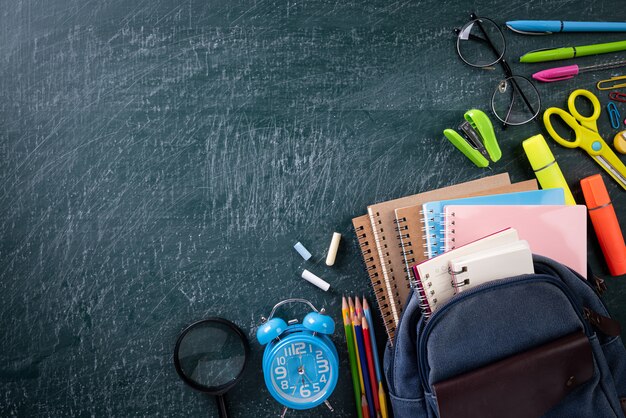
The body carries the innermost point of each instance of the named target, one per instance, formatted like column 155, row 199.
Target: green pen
column 553, row 54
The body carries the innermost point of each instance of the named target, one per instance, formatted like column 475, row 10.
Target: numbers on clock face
column 300, row 372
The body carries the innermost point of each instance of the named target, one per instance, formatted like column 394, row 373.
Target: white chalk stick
column 312, row 278
column 302, row 251
column 332, row 250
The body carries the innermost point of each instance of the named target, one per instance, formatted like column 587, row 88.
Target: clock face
column 302, row 373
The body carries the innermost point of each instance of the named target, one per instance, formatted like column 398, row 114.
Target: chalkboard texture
column 160, row 158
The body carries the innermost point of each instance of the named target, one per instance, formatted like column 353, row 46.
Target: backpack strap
column 607, row 325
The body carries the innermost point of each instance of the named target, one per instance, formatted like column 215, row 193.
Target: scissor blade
column 617, row 176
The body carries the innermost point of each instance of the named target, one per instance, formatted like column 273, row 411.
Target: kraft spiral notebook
column 411, row 228
column 434, row 281
column 364, row 235
column 381, row 245
column 433, row 211
column 557, row 232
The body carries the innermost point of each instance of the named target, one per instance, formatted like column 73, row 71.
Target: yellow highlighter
column 545, row 166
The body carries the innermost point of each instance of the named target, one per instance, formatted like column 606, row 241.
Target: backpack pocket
column 525, row 385
column 500, row 320
column 493, row 322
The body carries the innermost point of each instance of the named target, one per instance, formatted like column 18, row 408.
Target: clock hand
column 307, row 377
column 301, row 369
column 311, row 382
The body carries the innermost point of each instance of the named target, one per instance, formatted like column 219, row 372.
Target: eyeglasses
column 480, row 43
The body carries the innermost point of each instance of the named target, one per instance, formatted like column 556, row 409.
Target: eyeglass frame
column 508, row 73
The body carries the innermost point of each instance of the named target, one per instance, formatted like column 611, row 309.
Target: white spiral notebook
column 495, row 263
column 493, row 257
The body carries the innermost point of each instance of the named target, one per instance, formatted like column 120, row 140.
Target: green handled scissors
column 586, row 134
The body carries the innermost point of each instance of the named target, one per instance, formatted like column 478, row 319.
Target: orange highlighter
column 605, row 223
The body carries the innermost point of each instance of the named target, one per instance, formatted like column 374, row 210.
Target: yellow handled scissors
column 586, row 134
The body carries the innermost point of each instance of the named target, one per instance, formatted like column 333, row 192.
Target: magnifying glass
column 210, row 356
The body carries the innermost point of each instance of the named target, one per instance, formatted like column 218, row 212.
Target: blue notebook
column 433, row 211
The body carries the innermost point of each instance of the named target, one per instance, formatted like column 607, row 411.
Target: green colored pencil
column 347, row 326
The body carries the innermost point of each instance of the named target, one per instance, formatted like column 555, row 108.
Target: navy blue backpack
column 539, row 345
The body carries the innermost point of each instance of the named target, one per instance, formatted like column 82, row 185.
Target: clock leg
column 329, row 406
column 282, row 414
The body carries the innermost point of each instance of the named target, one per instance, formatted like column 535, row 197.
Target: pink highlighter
column 569, row 71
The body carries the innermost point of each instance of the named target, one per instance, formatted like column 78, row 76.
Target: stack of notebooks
column 399, row 234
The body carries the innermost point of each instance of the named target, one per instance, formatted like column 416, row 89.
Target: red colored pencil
column 364, row 407
column 370, row 363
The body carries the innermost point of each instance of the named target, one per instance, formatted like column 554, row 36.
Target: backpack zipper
column 423, row 360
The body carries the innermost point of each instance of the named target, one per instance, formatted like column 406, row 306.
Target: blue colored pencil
column 358, row 331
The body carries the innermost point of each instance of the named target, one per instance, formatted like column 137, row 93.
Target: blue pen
column 537, row 27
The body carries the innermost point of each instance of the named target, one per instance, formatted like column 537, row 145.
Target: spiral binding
column 406, row 247
column 393, row 306
column 372, row 269
column 422, row 297
column 448, row 240
column 453, row 274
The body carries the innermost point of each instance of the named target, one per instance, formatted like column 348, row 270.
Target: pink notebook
column 558, row 232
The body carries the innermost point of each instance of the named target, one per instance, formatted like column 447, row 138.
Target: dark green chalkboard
column 160, row 158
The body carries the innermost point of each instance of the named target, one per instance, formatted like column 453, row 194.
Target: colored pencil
column 384, row 413
column 370, row 322
column 370, row 363
column 364, row 408
column 358, row 358
column 363, row 356
column 354, row 371
column 379, row 375
column 358, row 308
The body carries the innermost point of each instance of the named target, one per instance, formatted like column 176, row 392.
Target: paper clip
column 613, row 114
column 617, row 96
column 600, row 83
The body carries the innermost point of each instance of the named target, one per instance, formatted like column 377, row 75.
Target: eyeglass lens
column 480, row 43
column 515, row 101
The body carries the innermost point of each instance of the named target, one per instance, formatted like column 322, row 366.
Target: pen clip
column 560, row 78
column 539, row 50
column 523, row 32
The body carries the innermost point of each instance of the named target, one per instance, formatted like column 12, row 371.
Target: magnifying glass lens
column 211, row 354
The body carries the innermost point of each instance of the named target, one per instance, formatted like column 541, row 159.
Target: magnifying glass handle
column 221, row 406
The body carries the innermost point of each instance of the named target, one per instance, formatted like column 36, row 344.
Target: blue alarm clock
column 300, row 362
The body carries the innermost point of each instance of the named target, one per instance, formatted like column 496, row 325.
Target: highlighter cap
column 538, row 152
column 595, row 191
column 605, row 223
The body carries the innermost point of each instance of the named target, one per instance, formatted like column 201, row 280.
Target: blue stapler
column 478, row 142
